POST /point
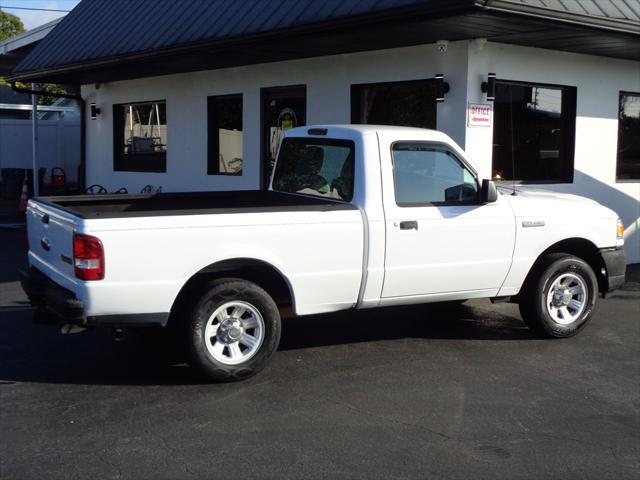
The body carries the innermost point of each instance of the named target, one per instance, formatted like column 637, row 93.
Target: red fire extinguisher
column 58, row 180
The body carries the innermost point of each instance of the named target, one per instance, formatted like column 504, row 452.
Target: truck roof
column 402, row 132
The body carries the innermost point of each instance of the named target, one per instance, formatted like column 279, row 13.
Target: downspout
column 34, row 142
column 82, row 180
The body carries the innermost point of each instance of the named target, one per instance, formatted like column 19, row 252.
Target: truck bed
column 189, row 203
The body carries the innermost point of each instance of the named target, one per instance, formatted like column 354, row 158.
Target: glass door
column 283, row 108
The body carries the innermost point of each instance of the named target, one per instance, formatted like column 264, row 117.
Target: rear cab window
column 313, row 166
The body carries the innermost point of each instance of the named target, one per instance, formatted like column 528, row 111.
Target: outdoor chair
column 96, row 189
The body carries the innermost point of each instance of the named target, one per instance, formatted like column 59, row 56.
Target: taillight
column 620, row 229
column 88, row 257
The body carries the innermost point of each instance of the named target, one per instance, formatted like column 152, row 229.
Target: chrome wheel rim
column 234, row 332
column 567, row 298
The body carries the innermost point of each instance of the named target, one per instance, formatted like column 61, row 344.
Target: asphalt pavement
column 461, row 391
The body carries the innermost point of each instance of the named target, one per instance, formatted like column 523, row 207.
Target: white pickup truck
column 356, row 217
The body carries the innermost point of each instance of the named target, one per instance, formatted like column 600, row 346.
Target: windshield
column 315, row 166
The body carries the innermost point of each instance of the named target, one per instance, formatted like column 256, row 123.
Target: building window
column 431, row 175
column 408, row 104
column 628, row 163
column 140, row 137
column 224, row 119
column 534, row 132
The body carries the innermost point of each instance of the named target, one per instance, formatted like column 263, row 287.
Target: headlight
column 620, row 229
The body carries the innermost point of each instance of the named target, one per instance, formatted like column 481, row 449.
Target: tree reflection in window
column 533, row 132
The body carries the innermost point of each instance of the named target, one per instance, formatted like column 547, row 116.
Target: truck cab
column 356, row 216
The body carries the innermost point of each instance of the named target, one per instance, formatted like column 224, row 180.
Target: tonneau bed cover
column 189, row 203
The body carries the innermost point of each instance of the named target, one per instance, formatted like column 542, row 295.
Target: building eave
column 512, row 22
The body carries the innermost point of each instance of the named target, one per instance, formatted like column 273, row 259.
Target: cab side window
column 431, row 175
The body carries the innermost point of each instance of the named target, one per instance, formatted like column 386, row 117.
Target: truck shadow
column 454, row 321
column 39, row 354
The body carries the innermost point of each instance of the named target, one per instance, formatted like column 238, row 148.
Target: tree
column 10, row 25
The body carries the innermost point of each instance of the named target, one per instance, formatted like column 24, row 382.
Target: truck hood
column 532, row 201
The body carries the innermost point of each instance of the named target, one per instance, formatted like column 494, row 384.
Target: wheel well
column 580, row 248
column 261, row 273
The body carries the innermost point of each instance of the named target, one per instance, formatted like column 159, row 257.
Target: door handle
column 409, row 225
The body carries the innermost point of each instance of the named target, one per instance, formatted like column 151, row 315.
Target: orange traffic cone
column 24, row 196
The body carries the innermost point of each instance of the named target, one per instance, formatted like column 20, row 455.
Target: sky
column 32, row 18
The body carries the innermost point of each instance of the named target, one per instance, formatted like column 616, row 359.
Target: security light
column 489, row 87
column 442, row 87
column 95, row 111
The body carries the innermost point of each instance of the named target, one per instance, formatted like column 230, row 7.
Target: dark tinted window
column 408, row 104
column 533, row 132
column 224, row 118
column 427, row 174
column 140, row 137
column 628, row 165
column 320, row 167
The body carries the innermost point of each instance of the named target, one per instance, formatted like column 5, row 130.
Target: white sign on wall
column 479, row 115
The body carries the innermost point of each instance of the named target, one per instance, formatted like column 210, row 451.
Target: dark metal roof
column 103, row 40
column 106, row 28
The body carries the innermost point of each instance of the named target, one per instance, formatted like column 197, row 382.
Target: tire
column 560, row 297
column 232, row 330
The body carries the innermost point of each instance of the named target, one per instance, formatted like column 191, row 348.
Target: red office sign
column 479, row 115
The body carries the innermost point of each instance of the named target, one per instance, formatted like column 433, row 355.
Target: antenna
column 513, row 159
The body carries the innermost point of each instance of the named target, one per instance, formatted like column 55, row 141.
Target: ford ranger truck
column 355, row 217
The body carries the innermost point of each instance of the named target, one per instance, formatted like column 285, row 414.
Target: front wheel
column 233, row 330
column 561, row 297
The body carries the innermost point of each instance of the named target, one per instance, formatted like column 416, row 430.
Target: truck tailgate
column 50, row 233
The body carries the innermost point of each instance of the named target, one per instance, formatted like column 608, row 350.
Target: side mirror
column 489, row 193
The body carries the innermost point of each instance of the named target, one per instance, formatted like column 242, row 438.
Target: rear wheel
column 560, row 298
column 233, row 330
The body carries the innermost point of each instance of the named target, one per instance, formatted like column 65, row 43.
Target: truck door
column 440, row 238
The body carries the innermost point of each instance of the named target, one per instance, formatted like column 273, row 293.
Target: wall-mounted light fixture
column 95, row 111
column 489, row 87
column 442, row 87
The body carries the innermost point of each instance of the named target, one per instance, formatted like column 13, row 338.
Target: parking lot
column 423, row 392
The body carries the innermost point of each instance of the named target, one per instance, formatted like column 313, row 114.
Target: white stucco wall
column 328, row 81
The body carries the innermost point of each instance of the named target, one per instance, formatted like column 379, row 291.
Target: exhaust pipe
column 118, row 334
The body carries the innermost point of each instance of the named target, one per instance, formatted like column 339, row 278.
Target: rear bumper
column 55, row 304
column 615, row 267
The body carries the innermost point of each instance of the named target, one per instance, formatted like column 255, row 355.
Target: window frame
column 446, row 148
column 213, row 141
column 618, row 179
column 570, row 141
column 121, row 161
